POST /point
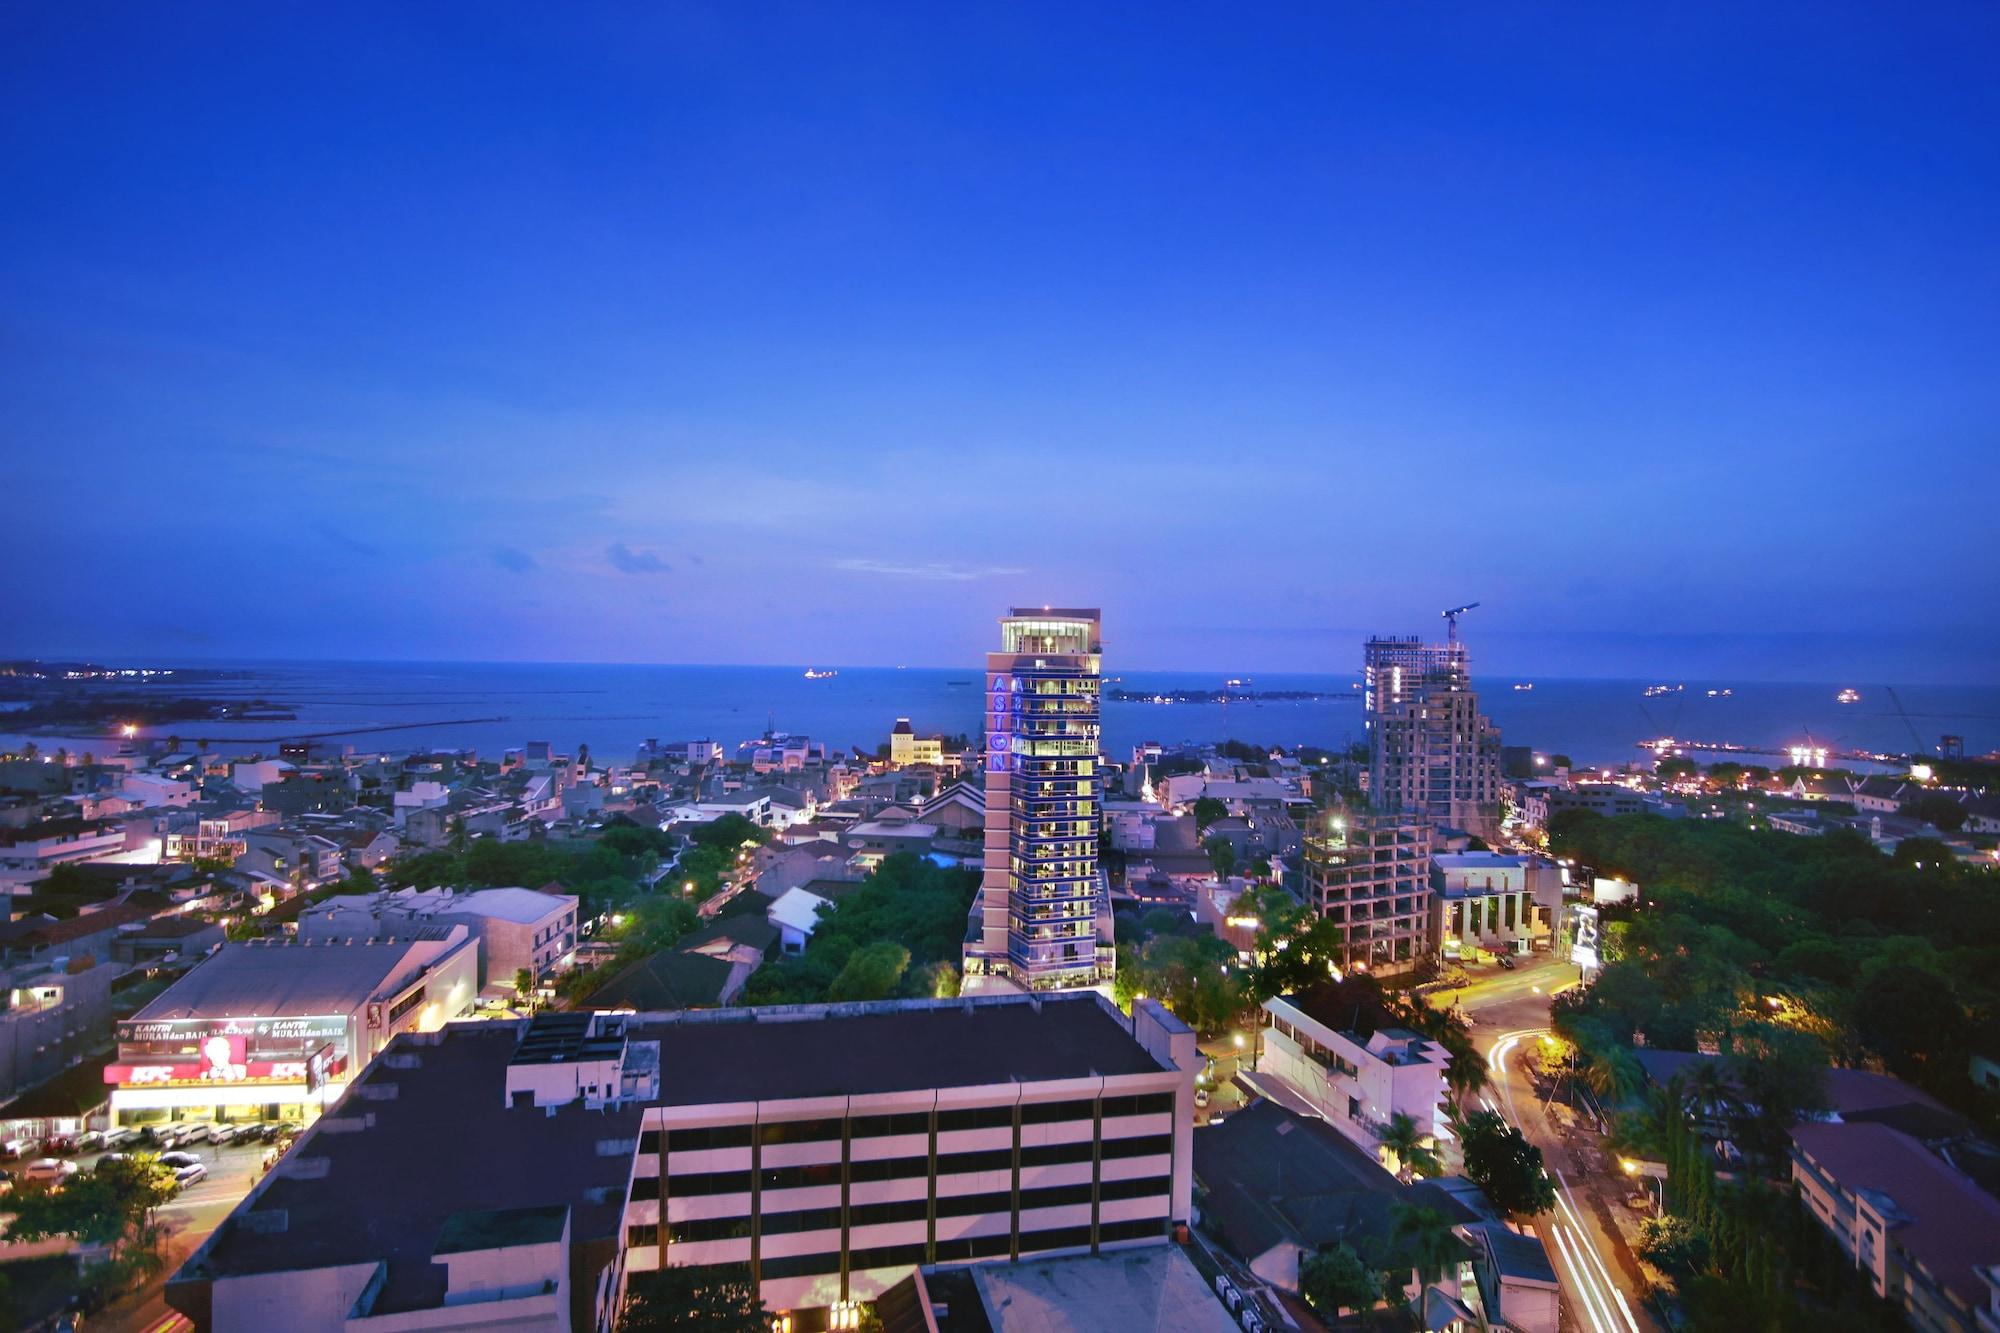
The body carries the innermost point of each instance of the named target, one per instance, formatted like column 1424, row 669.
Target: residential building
column 269, row 1028
column 833, row 1149
column 1042, row 917
column 1355, row 1073
column 1430, row 750
column 516, row 928
column 1924, row 1235
column 57, row 1012
column 1370, row 873
column 1541, row 801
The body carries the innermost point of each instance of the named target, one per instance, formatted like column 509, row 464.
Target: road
column 1508, row 1013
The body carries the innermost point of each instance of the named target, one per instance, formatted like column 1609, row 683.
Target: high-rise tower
column 1042, row 907
column 1430, row 750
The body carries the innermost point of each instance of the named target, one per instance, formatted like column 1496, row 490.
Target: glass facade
column 1040, row 898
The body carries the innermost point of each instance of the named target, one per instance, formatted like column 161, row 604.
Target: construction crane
column 1916, row 741
column 1451, row 621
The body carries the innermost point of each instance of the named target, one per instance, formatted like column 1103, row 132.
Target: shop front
column 232, row 1070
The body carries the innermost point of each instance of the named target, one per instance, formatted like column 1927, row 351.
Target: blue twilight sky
column 770, row 333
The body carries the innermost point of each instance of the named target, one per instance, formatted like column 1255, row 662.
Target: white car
column 48, row 1168
column 185, row 1176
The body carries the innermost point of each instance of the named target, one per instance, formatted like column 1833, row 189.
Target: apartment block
column 1431, row 751
column 1370, row 874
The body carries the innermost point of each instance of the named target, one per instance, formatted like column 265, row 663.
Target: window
column 799, row 1265
column 649, row 1142
column 718, row 1136
column 1152, row 1103
column 801, row 1177
column 1062, row 1238
column 961, row 1205
column 889, row 1168
column 1045, row 1113
column 798, row 1131
column 873, row 1214
column 807, row 1219
column 886, row 1256
column 1058, row 1196
column 709, row 1228
column 645, row 1187
column 1139, row 1230
column 997, row 1159
column 1146, row 1145
column 874, row 1126
column 977, row 1247
column 641, row 1235
column 1134, row 1189
column 709, row 1182
column 976, row 1117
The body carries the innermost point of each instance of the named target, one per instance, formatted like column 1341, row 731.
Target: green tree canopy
column 1506, row 1166
column 1335, row 1280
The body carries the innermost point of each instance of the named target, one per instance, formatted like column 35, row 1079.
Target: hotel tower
column 1042, row 917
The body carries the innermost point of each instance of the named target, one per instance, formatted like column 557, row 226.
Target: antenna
column 1451, row 621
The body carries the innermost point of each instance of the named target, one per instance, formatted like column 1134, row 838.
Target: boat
column 1849, row 696
column 1655, row 691
column 812, row 674
column 1528, row 686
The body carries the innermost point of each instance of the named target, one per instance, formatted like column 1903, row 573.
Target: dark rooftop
column 553, row 1038
column 837, row 1050
column 498, row 1228
column 402, row 1132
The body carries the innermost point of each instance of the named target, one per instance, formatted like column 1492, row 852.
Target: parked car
column 48, row 1168
column 221, row 1134
column 91, row 1140
column 120, row 1138
column 59, row 1145
column 195, row 1133
column 13, row 1149
column 185, row 1176
column 177, row 1160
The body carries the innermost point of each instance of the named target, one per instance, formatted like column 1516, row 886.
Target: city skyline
column 730, row 345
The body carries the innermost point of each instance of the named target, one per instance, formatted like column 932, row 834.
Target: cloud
column 935, row 570
column 630, row 561
column 514, row 558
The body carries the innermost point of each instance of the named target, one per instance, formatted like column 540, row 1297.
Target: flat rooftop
column 1157, row 1288
column 266, row 979
column 793, row 1051
column 445, row 1165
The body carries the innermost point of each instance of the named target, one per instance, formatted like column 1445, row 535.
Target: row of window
column 948, row 1251
column 908, row 1122
column 912, row 1210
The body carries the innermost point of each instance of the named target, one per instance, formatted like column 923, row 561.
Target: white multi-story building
column 1358, row 1079
column 826, row 1151
column 516, row 928
column 1498, row 901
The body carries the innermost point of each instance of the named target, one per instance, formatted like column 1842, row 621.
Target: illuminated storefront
column 274, row 1030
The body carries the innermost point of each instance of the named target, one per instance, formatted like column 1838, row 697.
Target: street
column 1508, row 1012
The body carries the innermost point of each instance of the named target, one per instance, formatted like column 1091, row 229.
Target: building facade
column 1370, row 874
column 1430, row 750
column 1497, row 901
column 1042, row 914
column 1357, row 1080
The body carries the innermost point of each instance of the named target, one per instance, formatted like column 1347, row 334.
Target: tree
column 111, row 1205
column 1414, row 1157
column 1907, row 1016
column 1336, row 1279
column 524, row 982
column 1424, row 1241
column 1207, row 809
column 1676, row 769
column 1506, row 1166
column 1221, row 856
column 1938, row 810
column 873, row 972
column 711, row 1299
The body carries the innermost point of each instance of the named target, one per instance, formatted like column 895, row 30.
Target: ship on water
column 1848, row 696
column 813, row 673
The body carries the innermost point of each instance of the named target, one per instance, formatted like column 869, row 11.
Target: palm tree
column 1424, row 1240
column 1414, row 1156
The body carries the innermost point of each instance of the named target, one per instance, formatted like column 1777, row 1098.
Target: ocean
column 494, row 706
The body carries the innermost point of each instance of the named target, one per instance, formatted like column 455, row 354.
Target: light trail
column 1589, row 1244
column 1594, row 1304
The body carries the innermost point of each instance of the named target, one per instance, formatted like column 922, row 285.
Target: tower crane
column 1451, row 621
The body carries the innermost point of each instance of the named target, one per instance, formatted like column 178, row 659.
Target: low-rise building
column 1498, row 901
column 516, row 928
column 1359, row 1076
column 269, row 1029
column 1925, row 1236
column 58, row 1011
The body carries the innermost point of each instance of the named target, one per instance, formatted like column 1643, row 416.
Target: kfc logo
column 222, row 1059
